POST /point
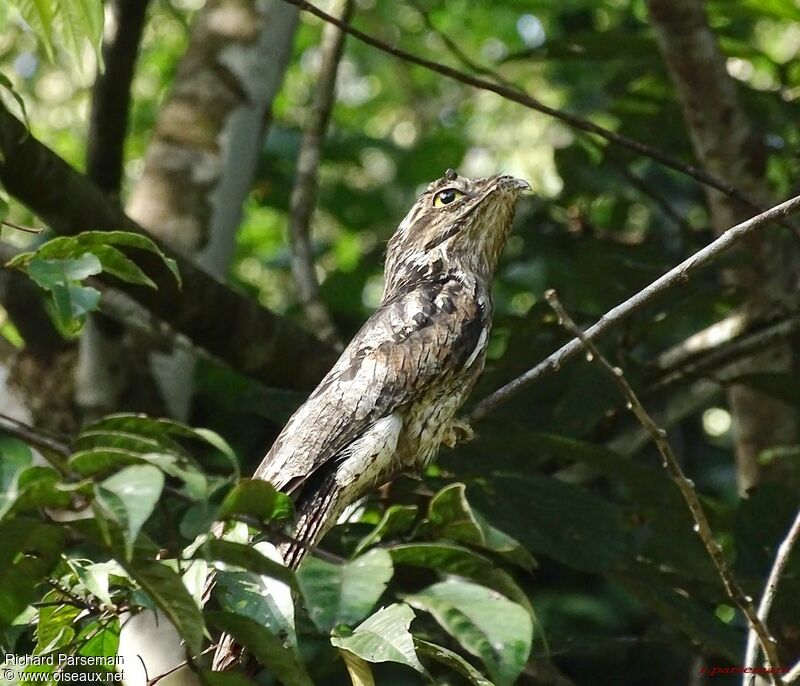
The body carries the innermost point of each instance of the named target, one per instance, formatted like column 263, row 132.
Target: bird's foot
column 457, row 431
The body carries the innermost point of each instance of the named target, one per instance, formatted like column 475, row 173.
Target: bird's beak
column 512, row 184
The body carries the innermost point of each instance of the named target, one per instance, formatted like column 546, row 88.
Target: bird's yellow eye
column 447, row 196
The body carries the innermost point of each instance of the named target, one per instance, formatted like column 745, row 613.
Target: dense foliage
column 554, row 548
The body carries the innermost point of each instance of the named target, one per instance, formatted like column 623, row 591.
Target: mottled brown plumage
column 390, row 400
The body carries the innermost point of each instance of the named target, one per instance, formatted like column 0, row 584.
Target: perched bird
column 391, row 398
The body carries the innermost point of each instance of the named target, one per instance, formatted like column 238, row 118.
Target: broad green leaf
column 258, row 500
column 563, row 521
column 169, row 594
column 263, row 598
column 452, row 660
column 39, row 16
column 101, row 639
column 383, row 637
column 52, row 272
column 451, row 516
column 681, row 611
column 137, row 489
column 448, row 558
column 34, row 488
column 274, row 653
column 116, row 264
column 485, row 623
column 79, row 21
column 247, row 557
column 397, row 520
column 343, row 593
column 29, row 551
column 55, row 626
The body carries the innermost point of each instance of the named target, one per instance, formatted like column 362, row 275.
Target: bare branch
column 676, row 275
column 108, row 122
column 306, row 182
column 25, row 229
column 526, row 100
column 686, row 487
column 781, row 559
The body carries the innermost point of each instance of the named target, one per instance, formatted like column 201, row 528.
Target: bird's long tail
column 315, row 515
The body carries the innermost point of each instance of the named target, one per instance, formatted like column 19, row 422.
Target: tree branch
column 108, row 122
column 686, row 487
column 304, row 192
column 522, row 98
column 781, row 560
column 675, row 276
column 227, row 324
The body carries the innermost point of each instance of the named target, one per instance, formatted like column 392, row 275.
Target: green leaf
column 169, row 594
column 452, row 660
column 116, row 264
column 262, row 598
column 343, row 593
column 38, row 14
column 137, row 490
column 34, row 488
column 280, row 658
column 485, row 623
column 55, row 627
column 29, row 551
column 397, row 520
column 79, row 21
column 447, row 558
column 256, row 499
column 246, row 557
column 562, row 521
column 384, row 637
column 451, row 516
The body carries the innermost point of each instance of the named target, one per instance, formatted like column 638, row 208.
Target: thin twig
column 781, row 560
column 638, row 183
column 686, row 487
column 793, row 674
column 18, row 227
column 676, row 275
column 306, row 182
column 180, row 665
column 526, row 100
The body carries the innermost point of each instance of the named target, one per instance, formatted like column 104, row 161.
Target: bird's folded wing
column 410, row 343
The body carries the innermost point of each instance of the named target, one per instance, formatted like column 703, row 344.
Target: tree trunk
column 726, row 145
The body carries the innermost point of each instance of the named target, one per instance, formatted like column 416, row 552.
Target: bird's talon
column 457, row 431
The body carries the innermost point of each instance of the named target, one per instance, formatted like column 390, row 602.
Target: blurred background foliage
column 623, row 592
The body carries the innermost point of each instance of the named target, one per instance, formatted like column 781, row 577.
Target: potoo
column 391, row 398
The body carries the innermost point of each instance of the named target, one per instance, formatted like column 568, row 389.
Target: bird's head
column 457, row 223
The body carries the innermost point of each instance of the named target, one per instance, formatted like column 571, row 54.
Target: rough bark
column 227, row 324
column 726, row 145
column 202, row 157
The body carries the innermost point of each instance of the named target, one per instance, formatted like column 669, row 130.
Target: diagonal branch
column 304, row 193
column 686, row 487
column 522, row 98
column 227, row 324
column 781, row 560
column 675, row 276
